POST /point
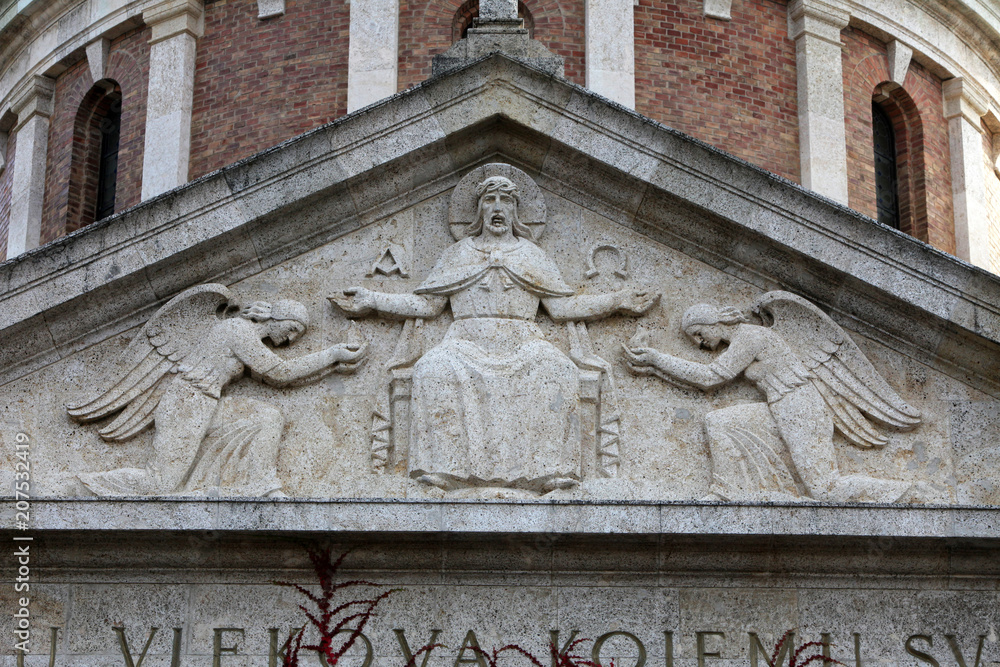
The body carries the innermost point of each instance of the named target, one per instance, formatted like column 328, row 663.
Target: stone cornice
column 486, row 518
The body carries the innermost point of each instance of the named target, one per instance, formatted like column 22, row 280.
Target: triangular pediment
column 630, row 205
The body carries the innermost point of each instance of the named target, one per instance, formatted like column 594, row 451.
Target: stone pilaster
column 815, row 26
column 964, row 107
column 374, row 52
column 611, row 50
column 176, row 26
column 33, row 106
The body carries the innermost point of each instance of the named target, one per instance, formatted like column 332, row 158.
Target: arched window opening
column 886, row 178
column 898, row 152
column 107, row 176
column 470, row 10
column 94, row 171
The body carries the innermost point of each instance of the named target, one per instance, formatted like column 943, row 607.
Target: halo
column 465, row 204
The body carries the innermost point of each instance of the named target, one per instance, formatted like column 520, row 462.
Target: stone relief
column 815, row 381
column 494, row 403
column 173, row 375
column 475, row 396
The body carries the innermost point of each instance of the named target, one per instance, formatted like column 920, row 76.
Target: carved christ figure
column 175, row 371
column 814, row 380
column 494, row 404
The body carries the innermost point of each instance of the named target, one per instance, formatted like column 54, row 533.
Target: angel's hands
column 640, row 360
column 637, row 302
column 349, row 356
column 355, row 301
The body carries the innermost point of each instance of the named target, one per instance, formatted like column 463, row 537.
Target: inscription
column 709, row 645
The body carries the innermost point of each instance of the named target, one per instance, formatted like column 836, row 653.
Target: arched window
column 470, row 10
column 886, row 179
column 94, row 172
column 898, row 152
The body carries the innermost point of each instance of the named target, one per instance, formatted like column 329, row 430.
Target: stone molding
column 55, row 300
column 34, row 98
column 550, row 517
column 175, row 17
column 964, row 98
column 818, row 19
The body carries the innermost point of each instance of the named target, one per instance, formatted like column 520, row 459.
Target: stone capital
column 32, row 98
column 817, row 18
column 964, row 98
column 175, row 17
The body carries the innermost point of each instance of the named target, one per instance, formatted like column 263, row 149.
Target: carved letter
column 599, row 644
column 668, row 649
column 469, row 642
column 369, row 651
column 218, row 649
column 554, row 640
column 857, row 649
column 124, row 646
column 175, row 654
column 408, row 654
column 919, row 655
column 702, row 653
column 953, row 643
column 756, row 646
column 274, row 653
column 53, row 643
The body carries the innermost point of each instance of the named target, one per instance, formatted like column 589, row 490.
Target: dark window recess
column 111, row 126
column 886, row 185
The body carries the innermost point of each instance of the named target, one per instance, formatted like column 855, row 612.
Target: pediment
column 630, row 206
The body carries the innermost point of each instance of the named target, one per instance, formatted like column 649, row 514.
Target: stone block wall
column 729, row 83
column 65, row 203
column 917, row 110
column 258, row 83
column 426, row 29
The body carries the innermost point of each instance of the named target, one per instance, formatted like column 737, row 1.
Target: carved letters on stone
column 815, row 380
column 173, row 373
column 494, row 403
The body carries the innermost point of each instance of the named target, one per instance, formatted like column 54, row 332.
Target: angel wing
column 845, row 378
column 152, row 356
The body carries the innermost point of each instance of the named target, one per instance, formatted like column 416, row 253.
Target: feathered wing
column 151, row 358
column 848, row 382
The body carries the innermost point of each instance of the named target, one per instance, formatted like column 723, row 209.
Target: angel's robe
column 495, row 403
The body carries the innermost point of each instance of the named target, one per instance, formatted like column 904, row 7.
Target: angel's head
column 707, row 326
column 283, row 321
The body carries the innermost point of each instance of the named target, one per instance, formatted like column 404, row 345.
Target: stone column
column 610, row 50
column 176, row 27
column 374, row 52
column 815, row 26
column 33, row 106
column 964, row 108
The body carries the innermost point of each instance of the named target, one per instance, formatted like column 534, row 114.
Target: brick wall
column 729, row 83
column 258, row 83
column 992, row 200
column 922, row 140
column 65, row 208
column 5, row 195
column 426, row 28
